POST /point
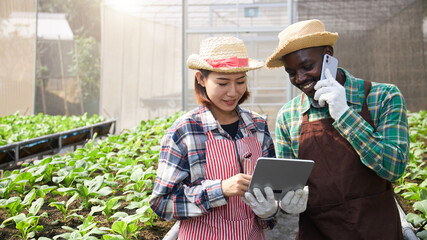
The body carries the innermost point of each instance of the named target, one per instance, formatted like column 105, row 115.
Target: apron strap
column 210, row 136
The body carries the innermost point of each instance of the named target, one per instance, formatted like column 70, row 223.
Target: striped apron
column 235, row 220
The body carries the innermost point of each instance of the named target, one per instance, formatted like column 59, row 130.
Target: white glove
column 263, row 208
column 332, row 92
column 295, row 202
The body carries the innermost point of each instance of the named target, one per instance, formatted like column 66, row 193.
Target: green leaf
column 105, row 191
column 415, row 219
column 95, row 209
column 132, row 227
column 424, row 183
column 133, row 205
column 421, row 206
column 72, row 199
column 36, row 206
column 29, row 197
column 111, row 237
column 119, row 215
column 423, row 194
column 137, row 175
column 22, row 225
column 96, row 231
column 119, row 227
column 24, row 176
column 43, row 190
column 422, row 234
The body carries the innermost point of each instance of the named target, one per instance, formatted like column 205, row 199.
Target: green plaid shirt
column 385, row 149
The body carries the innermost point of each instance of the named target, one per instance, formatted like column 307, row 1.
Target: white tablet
column 282, row 175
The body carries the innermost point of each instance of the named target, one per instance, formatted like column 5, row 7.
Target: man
column 358, row 138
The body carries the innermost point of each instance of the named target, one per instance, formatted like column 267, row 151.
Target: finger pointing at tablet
column 237, row 185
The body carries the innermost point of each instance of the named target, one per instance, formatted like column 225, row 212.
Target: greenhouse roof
column 211, row 14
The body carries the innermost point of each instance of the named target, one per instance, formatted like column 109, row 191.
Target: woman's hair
column 202, row 96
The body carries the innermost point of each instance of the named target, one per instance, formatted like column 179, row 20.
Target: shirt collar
column 352, row 91
column 210, row 123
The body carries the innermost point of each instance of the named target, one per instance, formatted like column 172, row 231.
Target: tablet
column 282, row 175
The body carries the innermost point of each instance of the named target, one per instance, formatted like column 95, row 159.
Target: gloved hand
column 295, row 202
column 332, row 92
column 263, row 208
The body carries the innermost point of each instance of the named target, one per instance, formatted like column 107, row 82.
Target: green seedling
column 85, row 231
column 141, row 179
column 27, row 224
column 63, row 207
column 43, row 190
column 14, row 205
column 90, row 189
column 122, row 230
column 69, row 174
column 107, row 207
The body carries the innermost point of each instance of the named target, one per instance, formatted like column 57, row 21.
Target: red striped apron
column 235, row 220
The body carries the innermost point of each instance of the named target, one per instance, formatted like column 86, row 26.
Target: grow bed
column 12, row 153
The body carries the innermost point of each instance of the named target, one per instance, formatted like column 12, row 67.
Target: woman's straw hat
column 223, row 54
column 300, row 35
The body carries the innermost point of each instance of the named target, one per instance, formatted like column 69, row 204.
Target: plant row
column 112, row 177
column 412, row 186
column 15, row 128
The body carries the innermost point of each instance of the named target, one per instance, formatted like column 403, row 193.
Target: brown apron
column 347, row 200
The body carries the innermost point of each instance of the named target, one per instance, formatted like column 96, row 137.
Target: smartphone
column 332, row 64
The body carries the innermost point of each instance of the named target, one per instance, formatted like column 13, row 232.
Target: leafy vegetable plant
column 113, row 176
column 28, row 224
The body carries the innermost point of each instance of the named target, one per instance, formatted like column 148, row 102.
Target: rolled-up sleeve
column 385, row 148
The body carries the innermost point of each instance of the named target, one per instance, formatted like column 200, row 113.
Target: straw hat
column 223, row 54
column 300, row 35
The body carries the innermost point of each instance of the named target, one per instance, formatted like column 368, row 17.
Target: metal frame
column 237, row 31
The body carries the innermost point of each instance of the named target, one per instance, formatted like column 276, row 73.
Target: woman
column 208, row 155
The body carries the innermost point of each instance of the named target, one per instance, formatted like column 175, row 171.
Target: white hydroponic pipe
column 407, row 230
column 173, row 232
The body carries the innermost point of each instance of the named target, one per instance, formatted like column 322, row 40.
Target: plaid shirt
column 181, row 190
column 383, row 149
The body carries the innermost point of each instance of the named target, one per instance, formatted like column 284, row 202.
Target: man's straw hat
column 223, row 54
column 300, row 35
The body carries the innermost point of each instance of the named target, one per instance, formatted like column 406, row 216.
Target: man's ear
column 200, row 79
column 329, row 50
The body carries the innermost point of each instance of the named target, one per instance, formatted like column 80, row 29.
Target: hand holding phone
column 330, row 92
column 330, row 63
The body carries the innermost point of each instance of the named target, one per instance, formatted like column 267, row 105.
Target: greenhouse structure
column 124, row 63
column 144, row 45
